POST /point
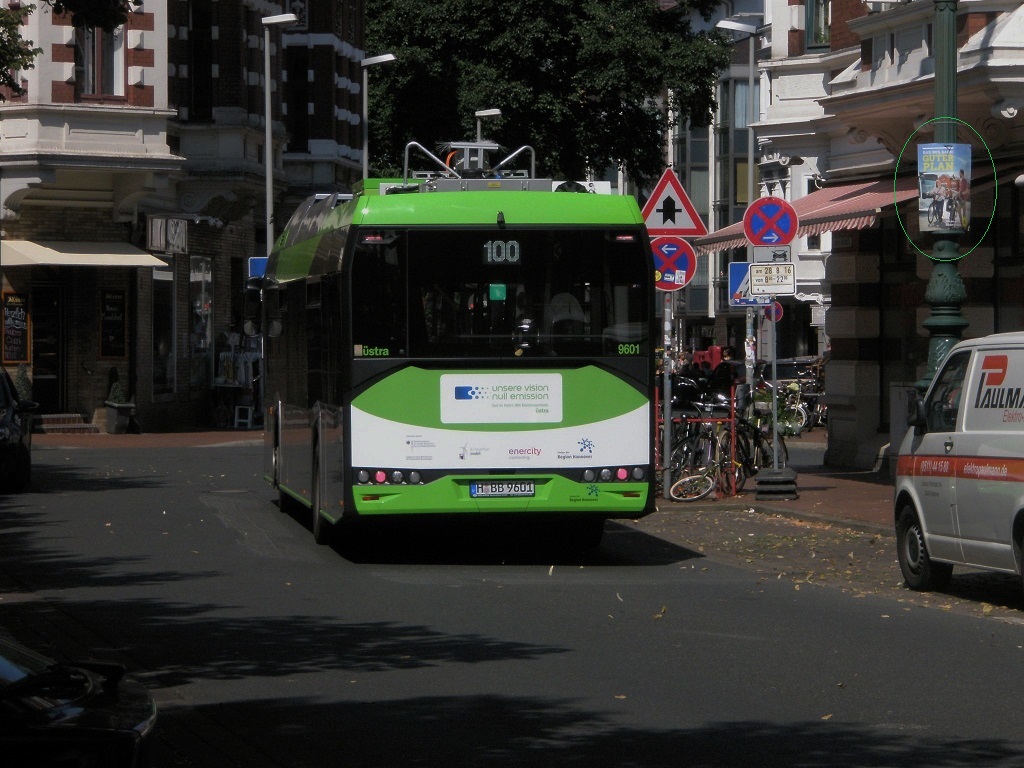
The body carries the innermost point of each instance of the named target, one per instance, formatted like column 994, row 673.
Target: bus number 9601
column 501, row 252
column 629, row 349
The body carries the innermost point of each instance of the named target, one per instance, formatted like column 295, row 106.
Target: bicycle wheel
column 732, row 459
column 770, row 454
column 934, row 213
column 694, row 487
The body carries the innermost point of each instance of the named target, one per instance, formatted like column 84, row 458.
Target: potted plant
column 119, row 409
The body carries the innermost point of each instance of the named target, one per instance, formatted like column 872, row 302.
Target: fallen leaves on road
column 819, row 553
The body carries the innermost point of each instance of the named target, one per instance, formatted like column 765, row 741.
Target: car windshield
column 18, row 663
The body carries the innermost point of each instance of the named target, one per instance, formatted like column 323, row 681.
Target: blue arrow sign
column 739, row 287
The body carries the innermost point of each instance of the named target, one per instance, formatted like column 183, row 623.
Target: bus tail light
column 388, row 477
column 621, row 474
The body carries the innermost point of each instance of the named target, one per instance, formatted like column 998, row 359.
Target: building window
column 99, row 62
column 201, row 301
column 163, row 331
column 819, row 18
column 200, row 68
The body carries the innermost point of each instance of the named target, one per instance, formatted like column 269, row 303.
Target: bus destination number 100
column 501, row 252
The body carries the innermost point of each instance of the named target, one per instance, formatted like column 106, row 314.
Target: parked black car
column 15, row 437
column 55, row 715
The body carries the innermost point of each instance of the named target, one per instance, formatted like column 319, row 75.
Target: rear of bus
column 501, row 356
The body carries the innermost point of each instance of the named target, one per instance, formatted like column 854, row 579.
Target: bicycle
column 958, row 214
column 706, row 461
column 935, row 211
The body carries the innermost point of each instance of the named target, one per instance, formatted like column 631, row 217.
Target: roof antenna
column 501, row 219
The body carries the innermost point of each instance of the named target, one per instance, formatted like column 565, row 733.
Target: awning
column 844, row 206
column 21, row 253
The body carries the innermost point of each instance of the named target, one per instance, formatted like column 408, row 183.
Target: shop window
column 163, row 331
column 200, row 295
column 99, row 62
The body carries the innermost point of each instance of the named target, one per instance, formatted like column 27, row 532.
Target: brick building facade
column 132, row 180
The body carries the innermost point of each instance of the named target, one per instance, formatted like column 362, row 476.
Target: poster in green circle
column 944, row 175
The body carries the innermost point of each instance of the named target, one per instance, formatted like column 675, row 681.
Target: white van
column 959, row 496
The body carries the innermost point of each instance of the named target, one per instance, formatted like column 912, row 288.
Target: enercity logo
column 469, row 393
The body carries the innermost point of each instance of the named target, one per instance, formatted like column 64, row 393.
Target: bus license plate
column 501, row 489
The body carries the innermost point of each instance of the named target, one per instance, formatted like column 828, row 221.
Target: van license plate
column 501, row 489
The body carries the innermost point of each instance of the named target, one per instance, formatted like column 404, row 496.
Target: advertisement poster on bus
column 944, row 181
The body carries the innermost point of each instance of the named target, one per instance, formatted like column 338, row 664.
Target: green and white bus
column 447, row 345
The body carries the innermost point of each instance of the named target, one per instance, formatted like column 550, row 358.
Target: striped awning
column 844, row 206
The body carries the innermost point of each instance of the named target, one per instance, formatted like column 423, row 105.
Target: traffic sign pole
column 775, row 396
column 666, row 405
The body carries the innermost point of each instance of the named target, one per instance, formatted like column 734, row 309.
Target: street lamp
column 748, row 24
column 366, row 63
column 281, row 20
column 945, row 292
column 481, row 113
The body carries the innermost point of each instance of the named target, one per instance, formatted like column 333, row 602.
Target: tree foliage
column 17, row 54
column 97, row 14
column 582, row 81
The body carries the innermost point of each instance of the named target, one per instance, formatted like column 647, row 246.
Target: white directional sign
column 764, row 253
column 773, row 279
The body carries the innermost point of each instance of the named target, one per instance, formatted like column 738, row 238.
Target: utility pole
column 945, row 293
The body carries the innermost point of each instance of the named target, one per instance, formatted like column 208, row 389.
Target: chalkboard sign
column 16, row 323
column 113, row 326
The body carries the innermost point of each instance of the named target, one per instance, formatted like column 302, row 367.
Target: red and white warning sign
column 668, row 210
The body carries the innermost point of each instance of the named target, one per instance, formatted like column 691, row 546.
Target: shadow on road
column 497, row 542
column 500, row 732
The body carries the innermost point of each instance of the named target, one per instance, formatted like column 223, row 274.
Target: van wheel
column 919, row 570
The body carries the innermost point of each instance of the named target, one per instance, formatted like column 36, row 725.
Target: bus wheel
column 322, row 529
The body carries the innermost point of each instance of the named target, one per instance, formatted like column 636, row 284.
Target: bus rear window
column 508, row 292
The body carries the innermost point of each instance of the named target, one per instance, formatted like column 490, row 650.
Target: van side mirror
column 917, row 416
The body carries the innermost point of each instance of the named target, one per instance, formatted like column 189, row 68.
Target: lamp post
column 281, row 20
column 748, row 24
column 945, row 292
column 479, row 115
column 367, row 63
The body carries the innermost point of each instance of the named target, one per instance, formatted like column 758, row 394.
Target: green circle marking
column 995, row 181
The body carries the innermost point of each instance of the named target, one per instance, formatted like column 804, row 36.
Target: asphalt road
column 474, row 647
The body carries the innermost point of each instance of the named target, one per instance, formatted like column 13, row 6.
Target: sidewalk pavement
column 860, row 499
